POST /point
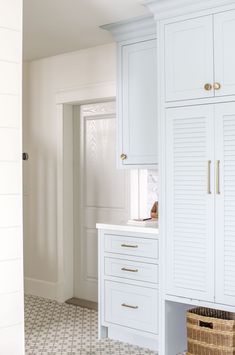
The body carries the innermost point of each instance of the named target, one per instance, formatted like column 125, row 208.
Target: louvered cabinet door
column 190, row 202
column 225, row 202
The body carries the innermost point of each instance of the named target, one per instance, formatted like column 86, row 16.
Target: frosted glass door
column 189, row 59
column 139, row 103
column 225, row 202
column 190, row 202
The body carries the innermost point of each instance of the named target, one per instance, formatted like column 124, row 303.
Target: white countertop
column 128, row 228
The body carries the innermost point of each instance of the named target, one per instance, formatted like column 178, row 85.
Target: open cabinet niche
column 175, row 327
column 144, row 191
column 174, row 320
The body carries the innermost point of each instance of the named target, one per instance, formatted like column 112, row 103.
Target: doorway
column 101, row 192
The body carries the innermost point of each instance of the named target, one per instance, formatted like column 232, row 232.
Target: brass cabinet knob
column 217, row 86
column 123, row 156
column 208, row 87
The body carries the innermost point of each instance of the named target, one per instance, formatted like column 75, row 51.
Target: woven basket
column 210, row 332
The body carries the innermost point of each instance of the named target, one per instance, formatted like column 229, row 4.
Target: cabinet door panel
column 189, row 206
column 225, row 203
column 224, row 25
column 139, row 103
column 189, row 59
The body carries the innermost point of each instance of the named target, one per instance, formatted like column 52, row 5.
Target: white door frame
column 65, row 99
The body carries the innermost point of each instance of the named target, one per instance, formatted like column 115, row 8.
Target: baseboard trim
column 40, row 288
column 148, row 341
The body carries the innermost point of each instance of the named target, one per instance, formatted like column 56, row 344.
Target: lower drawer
column 133, row 270
column 128, row 245
column 131, row 306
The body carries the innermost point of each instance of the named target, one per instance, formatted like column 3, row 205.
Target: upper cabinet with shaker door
column 189, row 59
column 138, row 104
column 199, row 57
column 137, row 92
column 224, row 49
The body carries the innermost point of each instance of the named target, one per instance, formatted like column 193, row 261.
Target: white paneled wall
column 11, row 256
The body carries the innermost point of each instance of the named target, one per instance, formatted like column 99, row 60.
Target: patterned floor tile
column 53, row 328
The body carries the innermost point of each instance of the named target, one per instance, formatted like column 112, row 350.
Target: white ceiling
column 58, row 26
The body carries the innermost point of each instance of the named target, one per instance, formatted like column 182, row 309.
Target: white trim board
column 65, row 99
column 102, row 91
column 40, row 288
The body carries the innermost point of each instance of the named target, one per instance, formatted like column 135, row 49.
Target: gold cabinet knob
column 217, row 86
column 123, row 156
column 208, row 87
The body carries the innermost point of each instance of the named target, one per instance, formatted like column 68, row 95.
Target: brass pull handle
column 218, row 177
column 123, row 156
column 217, row 86
column 208, row 87
column 129, row 306
column 209, row 177
column 129, row 246
column 129, row 270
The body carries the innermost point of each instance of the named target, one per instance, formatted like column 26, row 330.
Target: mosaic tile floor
column 64, row 329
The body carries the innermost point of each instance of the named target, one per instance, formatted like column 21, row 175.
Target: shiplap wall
column 11, row 256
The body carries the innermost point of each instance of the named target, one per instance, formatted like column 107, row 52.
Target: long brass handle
column 209, row 177
column 129, row 270
column 129, row 246
column 218, row 177
column 129, row 306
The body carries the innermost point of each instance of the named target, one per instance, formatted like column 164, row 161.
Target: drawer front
column 147, row 248
column 131, row 306
column 131, row 270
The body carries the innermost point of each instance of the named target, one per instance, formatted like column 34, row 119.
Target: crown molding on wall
column 133, row 28
column 162, row 9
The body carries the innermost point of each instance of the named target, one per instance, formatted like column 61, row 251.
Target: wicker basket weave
column 210, row 332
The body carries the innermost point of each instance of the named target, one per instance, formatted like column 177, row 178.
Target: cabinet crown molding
column 133, row 28
column 162, row 9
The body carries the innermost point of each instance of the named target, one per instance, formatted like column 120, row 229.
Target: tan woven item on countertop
column 210, row 332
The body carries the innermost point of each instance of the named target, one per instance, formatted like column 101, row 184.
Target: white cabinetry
column 200, row 200
column 199, row 57
column 224, row 25
column 138, row 109
column 225, row 202
column 137, row 92
column 196, row 99
column 190, row 202
column 129, row 284
column 189, row 58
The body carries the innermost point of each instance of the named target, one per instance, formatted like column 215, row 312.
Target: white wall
column 11, row 256
column 43, row 79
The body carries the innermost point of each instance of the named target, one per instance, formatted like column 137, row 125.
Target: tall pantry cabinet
column 196, row 71
column 200, row 155
column 200, row 200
